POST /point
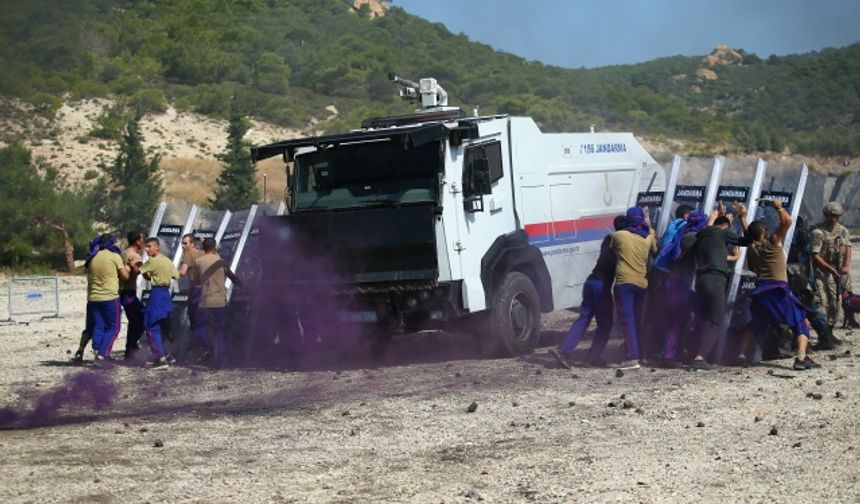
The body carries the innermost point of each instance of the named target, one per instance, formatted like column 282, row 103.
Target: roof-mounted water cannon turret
column 429, row 91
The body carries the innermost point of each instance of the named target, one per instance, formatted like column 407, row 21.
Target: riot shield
column 186, row 229
column 251, row 222
column 171, row 228
column 248, row 267
column 243, row 244
column 272, row 208
column 692, row 181
column 171, row 240
column 153, row 231
column 168, row 226
column 207, row 223
column 786, row 182
column 740, row 182
column 202, row 224
column 228, row 242
column 652, row 198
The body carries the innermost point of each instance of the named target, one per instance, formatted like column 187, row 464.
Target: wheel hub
column 520, row 316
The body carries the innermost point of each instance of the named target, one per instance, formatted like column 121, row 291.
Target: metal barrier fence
column 35, row 295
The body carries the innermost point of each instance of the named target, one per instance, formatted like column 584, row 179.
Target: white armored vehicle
column 434, row 217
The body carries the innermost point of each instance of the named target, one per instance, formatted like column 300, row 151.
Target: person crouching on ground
column 633, row 245
column 211, row 271
column 676, row 301
column 596, row 303
column 772, row 300
column 660, row 284
column 156, row 318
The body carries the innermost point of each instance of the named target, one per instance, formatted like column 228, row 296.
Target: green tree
column 237, row 183
column 130, row 188
column 43, row 214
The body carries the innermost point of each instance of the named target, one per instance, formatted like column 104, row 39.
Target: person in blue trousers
column 633, row 245
column 212, row 273
column 105, row 269
column 156, row 318
column 596, row 303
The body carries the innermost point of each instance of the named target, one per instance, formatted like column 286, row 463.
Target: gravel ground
column 403, row 431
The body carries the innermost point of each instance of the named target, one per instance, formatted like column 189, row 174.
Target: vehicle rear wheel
column 514, row 318
column 376, row 341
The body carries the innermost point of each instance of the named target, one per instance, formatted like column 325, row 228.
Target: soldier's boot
column 826, row 339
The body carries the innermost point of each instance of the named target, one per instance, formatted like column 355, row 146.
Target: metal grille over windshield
column 378, row 173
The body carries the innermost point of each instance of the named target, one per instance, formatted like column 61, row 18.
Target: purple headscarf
column 97, row 245
column 636, row 222
column 695, row 222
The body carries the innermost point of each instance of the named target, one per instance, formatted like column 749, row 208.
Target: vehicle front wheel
column 514, row 318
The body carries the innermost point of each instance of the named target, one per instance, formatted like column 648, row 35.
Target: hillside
column 288, row 63
column 187, row 141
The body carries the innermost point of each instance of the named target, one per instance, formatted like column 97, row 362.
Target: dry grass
column 276, row 182
column 193, row 180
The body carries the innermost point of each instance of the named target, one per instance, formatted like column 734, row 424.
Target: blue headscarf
column 97, row 245
column 636, row 222
column 695, row 222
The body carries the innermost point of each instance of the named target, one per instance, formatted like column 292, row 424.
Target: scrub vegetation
column 292, row 63
column 284, row 62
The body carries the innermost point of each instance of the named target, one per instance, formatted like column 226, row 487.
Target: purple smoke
column 291, row 321
column 86, row 389
column 296, row 294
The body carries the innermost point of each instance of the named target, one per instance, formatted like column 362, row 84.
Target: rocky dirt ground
column 403, row 431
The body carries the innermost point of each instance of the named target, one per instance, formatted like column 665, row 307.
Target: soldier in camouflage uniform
column 831, row 259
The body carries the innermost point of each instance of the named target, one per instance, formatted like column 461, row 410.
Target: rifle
column 842, row 280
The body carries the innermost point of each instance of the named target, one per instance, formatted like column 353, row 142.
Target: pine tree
column 237, row 183
column 43, row 212
column 131, row 185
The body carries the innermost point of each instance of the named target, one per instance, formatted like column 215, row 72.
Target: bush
column 89, row 89
column 110, row 123
column 150, row 100
column 212, row 99
column 184, row 104
column 46, row 104
column 127, row 85
column 56, row 84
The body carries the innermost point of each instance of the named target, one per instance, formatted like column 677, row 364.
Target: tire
column 514, row 315
column 377, row 341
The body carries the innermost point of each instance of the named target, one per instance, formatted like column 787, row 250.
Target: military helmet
column 833, row 208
